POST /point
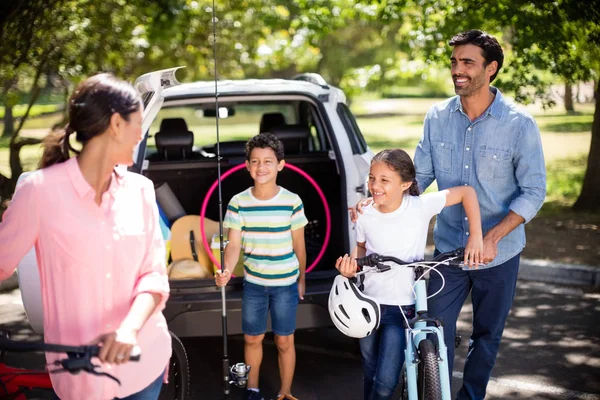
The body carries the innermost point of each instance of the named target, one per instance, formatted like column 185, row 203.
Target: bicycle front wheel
column 179, row 373
column 429, row 385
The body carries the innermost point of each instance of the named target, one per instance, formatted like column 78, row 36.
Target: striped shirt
column 266, row 227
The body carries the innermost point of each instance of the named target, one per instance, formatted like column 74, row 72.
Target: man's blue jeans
column 383, row 353
column 492, row 292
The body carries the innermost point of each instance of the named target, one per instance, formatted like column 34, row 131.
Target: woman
column 98, row 243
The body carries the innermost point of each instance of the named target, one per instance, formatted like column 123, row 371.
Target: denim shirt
column 499, row 154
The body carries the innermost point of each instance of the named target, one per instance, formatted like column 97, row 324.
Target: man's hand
column 347, row 266
column 222, row 278
column 354, row 211
column 490, row 249
column 301, row 287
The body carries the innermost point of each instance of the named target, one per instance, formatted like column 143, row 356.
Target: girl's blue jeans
column 383, row 353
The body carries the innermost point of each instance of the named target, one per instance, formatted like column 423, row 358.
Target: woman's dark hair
column 265, row 141
column 492, row 51
column 90, row 108
column 400, row 161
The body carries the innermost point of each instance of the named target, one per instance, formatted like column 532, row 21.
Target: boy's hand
column 301, row 287
column 354, row 211
column 474, row 252
column 347, row 266
column 222, row 278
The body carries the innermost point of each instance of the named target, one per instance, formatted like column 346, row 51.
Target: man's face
column 469, row 73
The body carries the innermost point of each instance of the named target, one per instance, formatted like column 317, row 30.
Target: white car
column 320, row 137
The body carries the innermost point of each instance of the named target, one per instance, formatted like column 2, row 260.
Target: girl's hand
column 116, row 347
column 347, row 266
column 222, row 278
column 474, row 252
column 354, row 211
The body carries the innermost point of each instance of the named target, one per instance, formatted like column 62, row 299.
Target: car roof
column 247, row 87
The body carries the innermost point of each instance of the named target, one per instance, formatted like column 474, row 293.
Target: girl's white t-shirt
column 402, row 234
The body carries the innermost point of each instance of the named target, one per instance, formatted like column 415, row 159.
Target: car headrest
column 295, row 138
column 174, row 141
column 233, row 148
column 291, row 132
column 173, row 124
column 269, row 121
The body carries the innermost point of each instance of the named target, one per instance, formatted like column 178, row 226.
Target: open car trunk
column 191, row 181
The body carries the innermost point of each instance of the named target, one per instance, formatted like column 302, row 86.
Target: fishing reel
column 238, row 373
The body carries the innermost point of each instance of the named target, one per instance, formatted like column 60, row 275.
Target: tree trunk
column 589, row 199
column 9, row 121
column 569, row 97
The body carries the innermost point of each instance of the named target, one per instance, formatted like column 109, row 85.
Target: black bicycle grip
column 134, row 356
column 368, row 261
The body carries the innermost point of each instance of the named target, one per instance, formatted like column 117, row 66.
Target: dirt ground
column 565, row 237
column 569, row 238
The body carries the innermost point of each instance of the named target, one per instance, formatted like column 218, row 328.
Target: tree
column 562, row 37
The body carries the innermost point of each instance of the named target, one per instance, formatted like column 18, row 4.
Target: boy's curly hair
column 264, row 141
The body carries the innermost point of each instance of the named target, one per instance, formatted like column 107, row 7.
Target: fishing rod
column 238, row 373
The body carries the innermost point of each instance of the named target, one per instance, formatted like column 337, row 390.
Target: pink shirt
column 93, row 261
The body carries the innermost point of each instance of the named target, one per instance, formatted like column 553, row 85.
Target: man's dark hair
column 492, row 51
column 265, row 141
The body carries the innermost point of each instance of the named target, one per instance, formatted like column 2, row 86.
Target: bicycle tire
column 178, row 387
column 428, row 382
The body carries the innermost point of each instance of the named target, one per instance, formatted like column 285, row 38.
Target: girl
column 100, row 252
column 396, row 224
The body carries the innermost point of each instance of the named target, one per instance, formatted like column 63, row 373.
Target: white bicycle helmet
column 353, row 313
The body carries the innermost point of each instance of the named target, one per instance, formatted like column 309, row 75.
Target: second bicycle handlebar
column 376, row 260
column 21, row 346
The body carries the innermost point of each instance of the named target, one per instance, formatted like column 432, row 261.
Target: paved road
column 550, row 351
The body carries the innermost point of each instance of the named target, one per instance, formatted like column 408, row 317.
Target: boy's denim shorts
column 257, row 300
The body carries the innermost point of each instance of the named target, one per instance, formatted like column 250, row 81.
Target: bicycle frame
column 422, row 325
column 414, row 337
column 15, row 379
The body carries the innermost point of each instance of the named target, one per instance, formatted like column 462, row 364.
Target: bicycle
column 425, row 373
column 16, row 382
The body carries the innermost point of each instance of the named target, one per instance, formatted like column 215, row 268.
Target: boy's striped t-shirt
column 266, row 227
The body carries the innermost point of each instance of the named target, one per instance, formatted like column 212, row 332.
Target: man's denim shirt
column 499, row 154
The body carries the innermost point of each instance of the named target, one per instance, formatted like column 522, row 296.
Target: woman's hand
column 354, row 211
column 347, row 266
column 116, row 347
column 222, row 278
column 474, row 251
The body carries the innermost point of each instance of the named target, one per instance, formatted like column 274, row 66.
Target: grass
column 393, row 123
column 36, row 109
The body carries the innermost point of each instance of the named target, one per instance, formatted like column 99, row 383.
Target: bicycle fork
column 414, row 337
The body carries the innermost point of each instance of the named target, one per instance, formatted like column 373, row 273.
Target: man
column 478, row 139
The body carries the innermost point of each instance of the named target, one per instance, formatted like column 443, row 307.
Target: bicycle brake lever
column 383, row 267
column 102, row 373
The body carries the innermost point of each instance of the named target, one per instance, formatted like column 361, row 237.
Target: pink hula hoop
column 293, row 168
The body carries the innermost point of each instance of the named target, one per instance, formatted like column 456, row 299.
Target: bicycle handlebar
column 79, row 357
column 376, row 260
column 22, row 347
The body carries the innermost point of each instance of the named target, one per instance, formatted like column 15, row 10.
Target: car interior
column 181, row 151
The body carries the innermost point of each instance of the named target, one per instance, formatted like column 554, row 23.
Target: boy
column 267, row 221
